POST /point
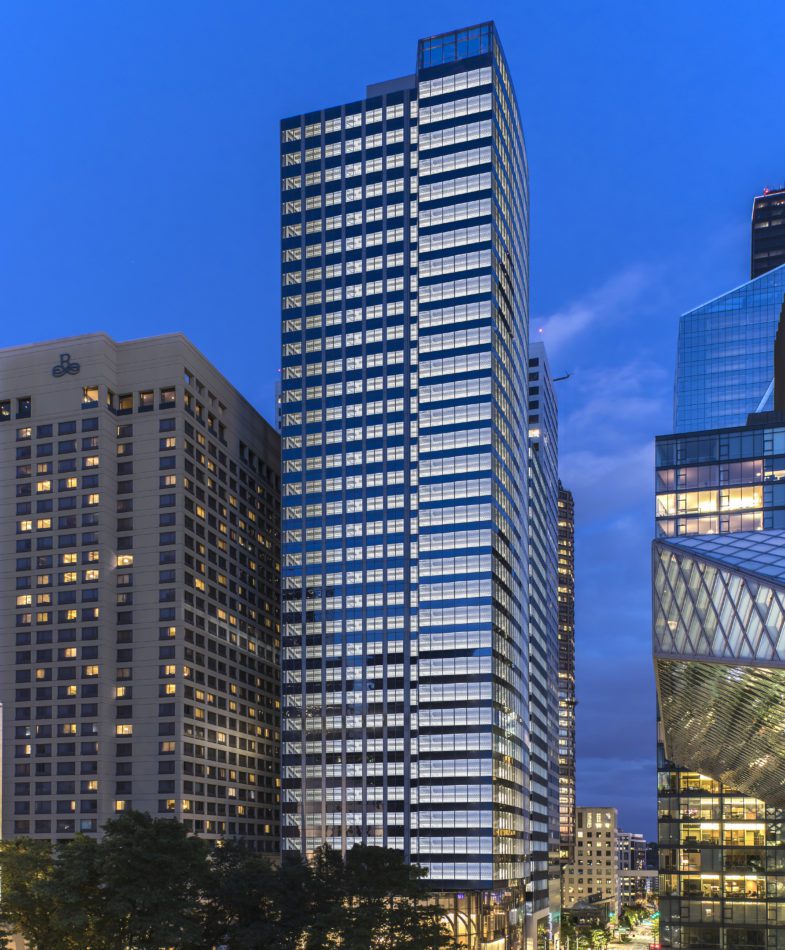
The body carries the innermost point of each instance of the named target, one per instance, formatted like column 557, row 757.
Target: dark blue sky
column 139, row 164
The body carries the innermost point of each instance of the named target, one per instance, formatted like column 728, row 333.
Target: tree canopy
column 146, row 885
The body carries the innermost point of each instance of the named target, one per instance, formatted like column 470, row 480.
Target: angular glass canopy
column 719, row 657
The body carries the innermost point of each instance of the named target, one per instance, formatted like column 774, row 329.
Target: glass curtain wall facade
column 543, row 642
column 721, row 850
column 566, row 672
column 403, row 412
column 725, row 356
column 722, row 481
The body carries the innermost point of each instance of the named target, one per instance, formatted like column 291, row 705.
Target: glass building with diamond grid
column 404, row 423
column 725, row 356
column 718, row 642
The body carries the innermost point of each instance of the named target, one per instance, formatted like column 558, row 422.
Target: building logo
column 65, row 367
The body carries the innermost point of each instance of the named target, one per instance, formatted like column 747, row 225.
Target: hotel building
column 139, row 569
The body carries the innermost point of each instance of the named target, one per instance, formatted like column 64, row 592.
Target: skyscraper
column 404, row 425
column 545, row 878
column 140, row 547
column 566, row 672
column 768, row 231
column 719, row 622
column 718, row 629
column 725, row 356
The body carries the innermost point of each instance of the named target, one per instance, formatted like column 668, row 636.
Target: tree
column 153, row 878
column 599, row 938
column 74, row 892
column 326, row 899
column 147, row 884
column 253, row 905
column 388, row 907
column 27, row 868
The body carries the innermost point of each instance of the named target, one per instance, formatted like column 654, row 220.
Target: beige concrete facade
column 139, row 578
column 593, row 876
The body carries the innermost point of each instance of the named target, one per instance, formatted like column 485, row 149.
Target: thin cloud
column 614, row 296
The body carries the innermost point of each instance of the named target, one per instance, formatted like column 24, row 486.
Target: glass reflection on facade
column 722, row 481
column 717, row 621
column 543, row 642
column 403, row 410
column 719, row 656
column 722, row 865
column 725, row 356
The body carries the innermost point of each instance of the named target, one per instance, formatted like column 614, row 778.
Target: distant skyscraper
column 566, row 672
column 139, row 568
column 725, row 356
column 404, row 424
column 543, row 638
column 768, row 231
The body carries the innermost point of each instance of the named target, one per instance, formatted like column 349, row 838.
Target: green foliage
column 147, row 885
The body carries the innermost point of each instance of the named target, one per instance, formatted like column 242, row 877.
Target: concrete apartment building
column 593, row 875
column 139, row 576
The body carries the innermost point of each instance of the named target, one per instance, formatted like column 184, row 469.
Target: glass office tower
column 404, row 425
column 725, row 356
column 719, row 636
column 543, row 644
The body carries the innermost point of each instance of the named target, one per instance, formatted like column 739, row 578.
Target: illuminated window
column 69, row 577
column 89, row 396
column 124, row 729
column 44, row 524
column 70, row 558
column 120, row 805
column 91, row 670
column 125, row 560
column 44, row 485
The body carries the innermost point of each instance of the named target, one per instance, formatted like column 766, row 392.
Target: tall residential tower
column 405, row 445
